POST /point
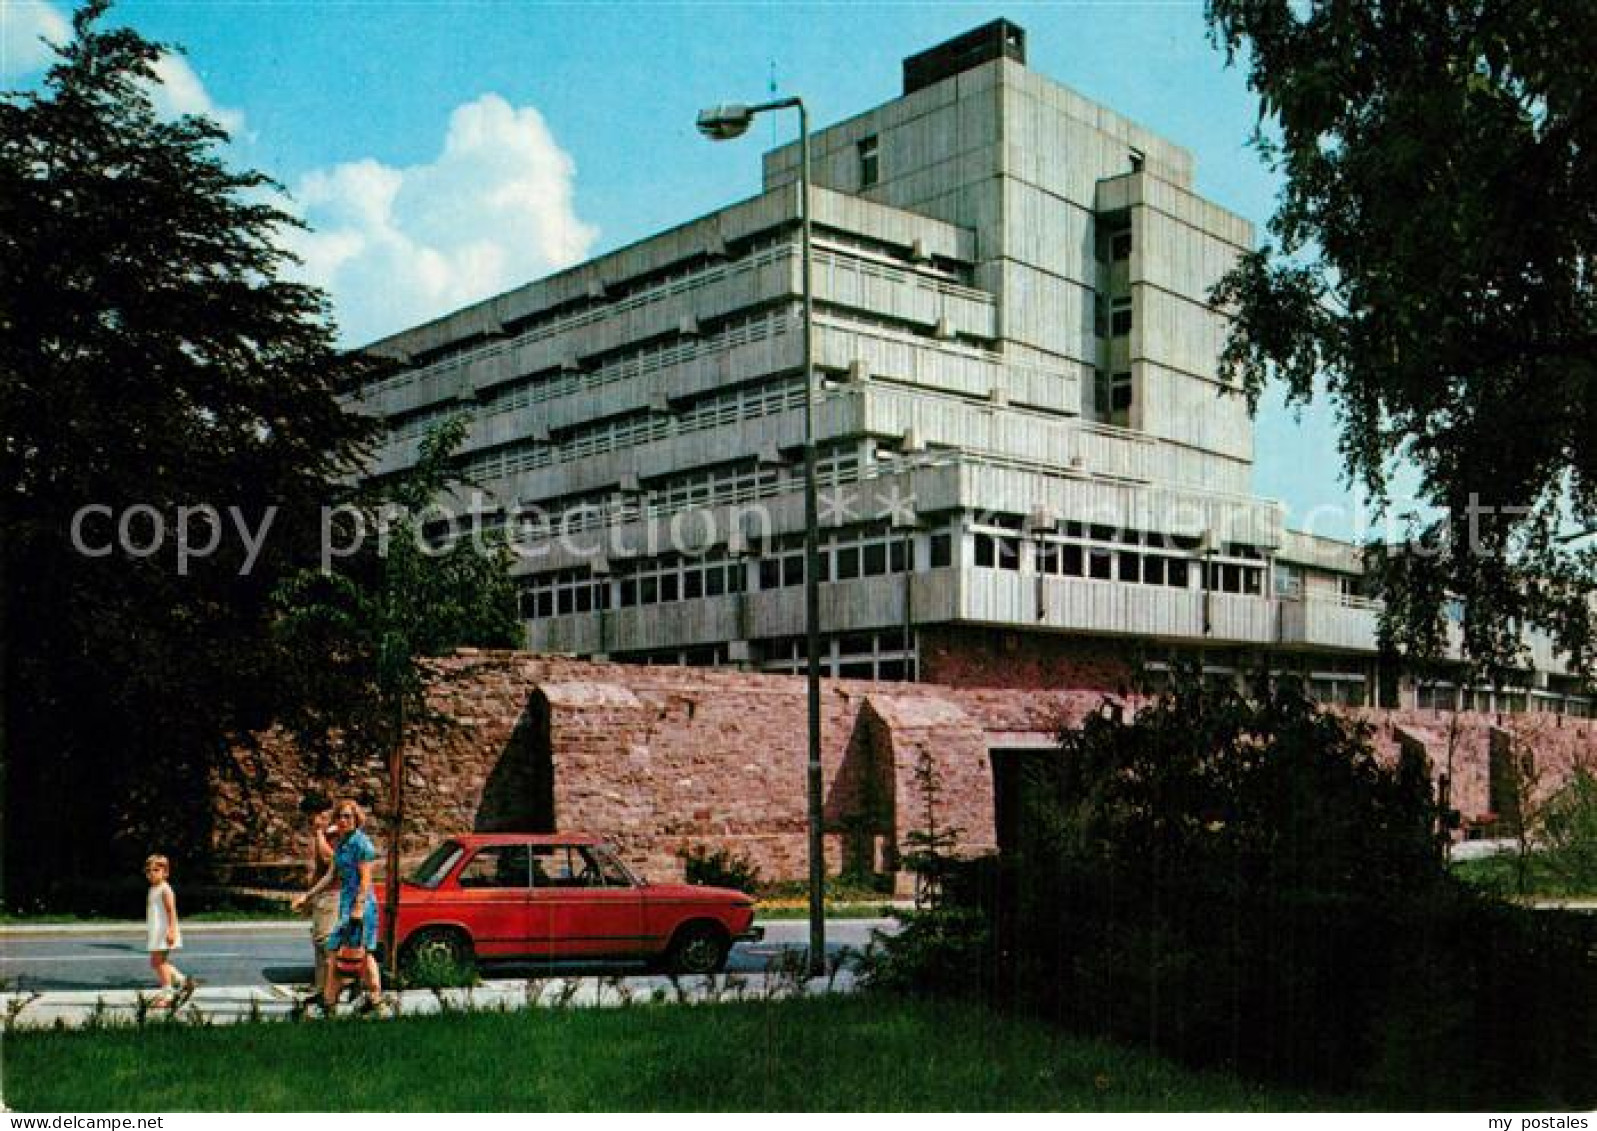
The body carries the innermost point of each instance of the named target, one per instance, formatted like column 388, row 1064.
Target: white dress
column 155, row 919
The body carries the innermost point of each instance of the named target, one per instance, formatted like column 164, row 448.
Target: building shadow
column 519, row 793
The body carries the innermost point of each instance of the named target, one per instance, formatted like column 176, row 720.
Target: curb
column 224, row 1005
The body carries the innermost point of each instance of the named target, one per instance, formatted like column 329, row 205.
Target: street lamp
column 724, row 123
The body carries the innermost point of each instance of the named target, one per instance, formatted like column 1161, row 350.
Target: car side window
column 548, row 865
column 565, row 866
column 498, row 866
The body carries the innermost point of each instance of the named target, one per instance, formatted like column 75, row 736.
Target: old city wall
column 663, row 759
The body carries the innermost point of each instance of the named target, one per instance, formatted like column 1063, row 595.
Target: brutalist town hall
column 1029, row 471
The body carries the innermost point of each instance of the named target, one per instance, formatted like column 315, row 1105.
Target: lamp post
column 723, row 123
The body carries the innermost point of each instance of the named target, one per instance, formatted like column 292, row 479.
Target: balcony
column 1345, row 624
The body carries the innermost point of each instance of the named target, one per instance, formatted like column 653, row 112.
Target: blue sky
column 443, row 150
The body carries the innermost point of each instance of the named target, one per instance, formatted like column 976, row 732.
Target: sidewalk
column 226, row 1005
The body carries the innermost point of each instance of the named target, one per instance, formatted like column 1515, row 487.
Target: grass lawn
column 881, row 909
column 231, row 915
column 1500, row 874
column 828, row 1054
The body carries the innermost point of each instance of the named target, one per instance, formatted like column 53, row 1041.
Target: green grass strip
column 831, row 1054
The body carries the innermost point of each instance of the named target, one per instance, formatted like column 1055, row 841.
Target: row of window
column 745, row 481
column 1508, row 700
column 888, row 655
column 664, row 581
column 616, row 433
column 877, row 656
column 1103, row 563
column 636, row 362
column 440, row 378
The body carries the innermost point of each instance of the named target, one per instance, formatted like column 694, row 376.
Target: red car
column 565, row 897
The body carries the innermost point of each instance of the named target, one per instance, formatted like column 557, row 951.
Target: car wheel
column 438, row 946
column 698, row 948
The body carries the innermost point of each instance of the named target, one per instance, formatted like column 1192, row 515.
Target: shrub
column 432, row 971
column 1240, row 881
column 940, row 951
column 1568, row 832
column 720, row 868
column 947, row 947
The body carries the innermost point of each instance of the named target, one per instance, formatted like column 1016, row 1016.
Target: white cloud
column 26, row 24
column 22, row 24
column 398, row 246
column 180, row 91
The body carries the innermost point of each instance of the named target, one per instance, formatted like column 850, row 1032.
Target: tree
column 152, row 364
column 1434, row 268
column 359, row 634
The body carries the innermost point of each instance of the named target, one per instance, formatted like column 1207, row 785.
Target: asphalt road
column 113, row 957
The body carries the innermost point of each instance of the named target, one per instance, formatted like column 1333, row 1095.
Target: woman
column 357, row 906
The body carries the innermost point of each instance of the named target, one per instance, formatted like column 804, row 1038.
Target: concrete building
column 1031, row 473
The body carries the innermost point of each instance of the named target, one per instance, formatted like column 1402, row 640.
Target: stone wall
column 968, row 656
column 660, row 759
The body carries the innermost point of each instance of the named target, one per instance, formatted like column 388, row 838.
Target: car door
column 494, row 889
column 593, row 911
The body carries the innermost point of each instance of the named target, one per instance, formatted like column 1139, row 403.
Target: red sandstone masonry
column 660, row 759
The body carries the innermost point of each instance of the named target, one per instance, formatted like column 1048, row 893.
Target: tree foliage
column 150, row 356
column 1241, row 880
column 1433, row 267
column 356, row 633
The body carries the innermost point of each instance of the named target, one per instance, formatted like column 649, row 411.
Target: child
column 160, row 919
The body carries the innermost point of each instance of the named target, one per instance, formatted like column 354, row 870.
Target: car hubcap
column 437, row 950
column 700, row 954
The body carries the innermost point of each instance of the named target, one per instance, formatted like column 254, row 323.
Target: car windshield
column 437, row 865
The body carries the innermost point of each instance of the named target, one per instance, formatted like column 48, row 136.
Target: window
column 1120, row 392
column 1120, row 318
column 497, row 866
column 1130, row 567
column 848, row 563
column 432, row 871
column 1114, row 397
column 870, row 168
column 1100, row 564
column 563, row 866
column 942, row 550
column 1120, row 246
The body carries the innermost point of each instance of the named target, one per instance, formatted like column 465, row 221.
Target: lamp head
column 723, row 123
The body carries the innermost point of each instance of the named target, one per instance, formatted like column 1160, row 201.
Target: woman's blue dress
column 352, row 851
